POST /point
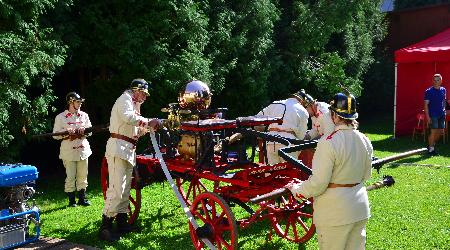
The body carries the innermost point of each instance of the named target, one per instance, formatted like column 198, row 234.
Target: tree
column 324, row 45
column 240, row 49
column 29, row 58
column 169, row 43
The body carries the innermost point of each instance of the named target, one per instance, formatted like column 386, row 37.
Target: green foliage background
column 29, row 59
column 249, row 52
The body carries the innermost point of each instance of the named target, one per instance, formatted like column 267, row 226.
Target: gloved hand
column 71, row 130
column 142, row 131
column 293, row 184
column 307, row 136
column 80, row 130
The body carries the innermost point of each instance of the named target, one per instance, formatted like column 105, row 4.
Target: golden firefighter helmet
column 196, row 96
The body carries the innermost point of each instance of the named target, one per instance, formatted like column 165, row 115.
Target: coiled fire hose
column 174, row 187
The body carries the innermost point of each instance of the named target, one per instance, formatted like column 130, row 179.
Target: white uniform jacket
column 125, row 120
column 295, row 121
column 343, row 157
column 77, row 149
column 322, row 123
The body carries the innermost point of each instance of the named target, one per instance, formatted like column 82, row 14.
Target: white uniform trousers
column 119, row 185
column 272, row 153
column 76, row 175
column 346, row 237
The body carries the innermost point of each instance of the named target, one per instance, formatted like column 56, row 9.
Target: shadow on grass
column 263, row 229
column 55, row 209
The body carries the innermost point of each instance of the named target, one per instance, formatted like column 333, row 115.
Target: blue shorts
column 438, row 122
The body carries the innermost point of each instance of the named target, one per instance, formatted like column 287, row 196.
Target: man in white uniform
column 322, row 124
column 75, row 149
column 126, row 126
column 295, row 124
column 341, row 165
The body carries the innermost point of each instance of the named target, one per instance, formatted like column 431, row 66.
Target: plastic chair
column 421, row 126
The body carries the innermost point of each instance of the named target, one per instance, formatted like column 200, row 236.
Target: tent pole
column 395, row 96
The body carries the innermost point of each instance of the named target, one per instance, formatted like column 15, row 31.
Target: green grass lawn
column 413, row 214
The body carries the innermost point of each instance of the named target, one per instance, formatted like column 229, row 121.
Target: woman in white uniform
column 75, row 149
column 341, row 165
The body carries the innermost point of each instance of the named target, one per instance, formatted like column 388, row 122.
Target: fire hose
column 375, row 164
column 183, row 204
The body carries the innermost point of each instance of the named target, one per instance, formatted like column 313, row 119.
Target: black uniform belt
column 335, row 185
column 125, row 138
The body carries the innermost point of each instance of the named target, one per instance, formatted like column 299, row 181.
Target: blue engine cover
column 16, row 174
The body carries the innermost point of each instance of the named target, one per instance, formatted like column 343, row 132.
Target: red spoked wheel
column 190, row 188
column 292, row 219
column 216, row 222
column 135, row 193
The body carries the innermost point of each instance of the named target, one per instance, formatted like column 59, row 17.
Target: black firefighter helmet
column 305, row 99
column 141, row 85
column 73, row 96
column 344, row 105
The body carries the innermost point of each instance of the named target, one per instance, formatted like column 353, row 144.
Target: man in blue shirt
column 435, row 98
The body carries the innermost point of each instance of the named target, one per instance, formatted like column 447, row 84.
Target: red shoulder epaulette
column 331, row 135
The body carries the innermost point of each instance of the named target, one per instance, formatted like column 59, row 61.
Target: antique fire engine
column 18, row 219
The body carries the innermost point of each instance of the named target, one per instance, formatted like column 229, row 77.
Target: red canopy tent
column 415, row 66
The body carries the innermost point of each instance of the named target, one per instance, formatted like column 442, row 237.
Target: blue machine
column 19, row 221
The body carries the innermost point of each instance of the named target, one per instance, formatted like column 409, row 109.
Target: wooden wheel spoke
column 221, row 216
column 194, row 191
column 205, row 210
column 222, row 241
column 133, row 201
column 288, row 219
column 286, row 230
column 198, row 189
column 202, row 185
column 300, row 221
column 218, row 242
column 294, row 228
column 188, row 192
column 203, row 219
column 304, row 215
column 221, row 219
column 213, row 209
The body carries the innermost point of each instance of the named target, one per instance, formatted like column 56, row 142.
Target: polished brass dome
column 196, row 96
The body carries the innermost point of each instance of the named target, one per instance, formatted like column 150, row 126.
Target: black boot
column 72, row 202
column 106, row 232
column 82, row 198
column 123, row 227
